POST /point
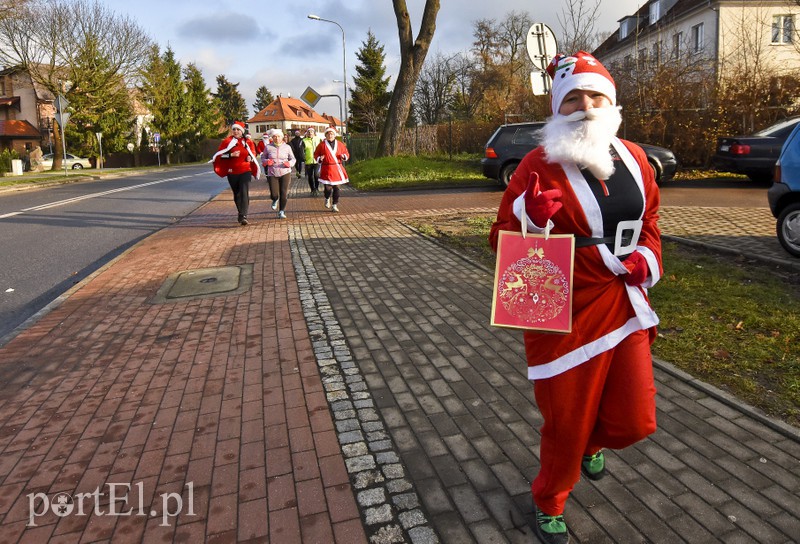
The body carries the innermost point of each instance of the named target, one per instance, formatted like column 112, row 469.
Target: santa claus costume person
column 236, row 160
column 594, row 386
column 331, row 154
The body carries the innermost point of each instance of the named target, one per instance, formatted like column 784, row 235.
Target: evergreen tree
column 230, row 102
column 99, row 103
column 164, row 94
column 204, row 120
column 369, row 100
column 263, row 98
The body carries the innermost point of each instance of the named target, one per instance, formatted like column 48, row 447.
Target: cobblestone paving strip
column 389, row 502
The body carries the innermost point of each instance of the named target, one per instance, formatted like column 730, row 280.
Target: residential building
column 720, row 35
column 26, row 112
column 290, row 114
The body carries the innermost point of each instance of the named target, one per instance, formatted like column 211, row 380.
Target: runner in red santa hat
column 236, row 160
column 594, row 386
column 332, row 154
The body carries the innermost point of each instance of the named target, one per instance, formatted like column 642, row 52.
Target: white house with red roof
column 290, row 114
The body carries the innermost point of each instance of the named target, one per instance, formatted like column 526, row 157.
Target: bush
column 6, row 156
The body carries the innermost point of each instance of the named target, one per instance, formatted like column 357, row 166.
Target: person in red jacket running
column 332, row 154
column 236, row 160
column 594, row 386
column 262, row 143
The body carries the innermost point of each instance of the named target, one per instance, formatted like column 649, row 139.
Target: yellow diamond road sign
column 310, row 96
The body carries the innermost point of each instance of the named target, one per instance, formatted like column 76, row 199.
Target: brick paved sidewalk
column 354, row 391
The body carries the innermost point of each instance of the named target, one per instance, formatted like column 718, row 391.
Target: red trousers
column 606, row 402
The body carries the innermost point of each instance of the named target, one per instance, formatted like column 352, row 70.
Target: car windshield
column 778, row 128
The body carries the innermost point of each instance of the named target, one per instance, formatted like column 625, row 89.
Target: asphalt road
column 52, row 238
column 715, row 193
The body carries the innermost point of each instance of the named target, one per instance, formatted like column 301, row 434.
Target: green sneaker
column 550, row 529
column 594, row 466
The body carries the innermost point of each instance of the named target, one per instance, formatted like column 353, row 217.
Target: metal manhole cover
column 205, row 282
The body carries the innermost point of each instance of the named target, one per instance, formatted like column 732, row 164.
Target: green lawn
column 410, row 172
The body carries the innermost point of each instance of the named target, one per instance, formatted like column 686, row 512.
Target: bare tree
column 433, row 94
column 748, row 74
column 412, row 57
column 500, row 82
column 577, row 21
column 7, row 7
column 512, row 36
column 61, row 43
column 468, row 89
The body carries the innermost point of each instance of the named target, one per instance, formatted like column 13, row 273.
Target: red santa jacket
column 605, row 309
column 225, row 164
column 332, row 171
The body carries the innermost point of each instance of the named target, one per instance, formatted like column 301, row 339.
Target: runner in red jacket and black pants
column 236, row 160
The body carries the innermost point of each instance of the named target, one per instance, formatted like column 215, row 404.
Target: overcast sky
column 273, row 43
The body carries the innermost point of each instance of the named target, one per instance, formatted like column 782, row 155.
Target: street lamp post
column 340, row 105
column 344, row 61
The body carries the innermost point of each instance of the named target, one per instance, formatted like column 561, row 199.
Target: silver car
column 76, row 163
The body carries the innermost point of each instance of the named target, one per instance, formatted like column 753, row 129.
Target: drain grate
column 205, row 282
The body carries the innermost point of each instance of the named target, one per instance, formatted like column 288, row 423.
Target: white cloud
column 276, row 45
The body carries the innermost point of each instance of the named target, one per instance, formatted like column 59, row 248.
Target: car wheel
column 77, row 166
column 507, row 172
column 788, row 228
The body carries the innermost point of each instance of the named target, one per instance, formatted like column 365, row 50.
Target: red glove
column 270, row 162
column 637, row 269
column 541, row 206
column 286, row 164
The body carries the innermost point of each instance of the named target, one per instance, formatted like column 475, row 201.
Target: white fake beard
column 583, row 137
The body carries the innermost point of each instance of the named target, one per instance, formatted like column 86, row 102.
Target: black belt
column 582, row 241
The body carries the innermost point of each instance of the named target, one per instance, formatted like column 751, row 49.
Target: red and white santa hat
column 331, row 129
column 579, row 71
column 239, row 125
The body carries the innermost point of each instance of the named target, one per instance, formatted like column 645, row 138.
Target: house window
column 626, row 26
column 655, row 54
column 782, row 28
column 677, row 40
column 655, row 12
column 697, row 38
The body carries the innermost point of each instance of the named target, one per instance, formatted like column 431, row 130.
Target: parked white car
column 76, row 163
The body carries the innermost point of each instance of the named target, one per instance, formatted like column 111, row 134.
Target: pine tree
column 263, row 98
column 230, row 101
column 204, row 120
column 100, row 103
column 164, row 93
column 369, row 100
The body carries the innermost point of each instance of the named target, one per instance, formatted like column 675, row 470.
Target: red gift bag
column 533, row 282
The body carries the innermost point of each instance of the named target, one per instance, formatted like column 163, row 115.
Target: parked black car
column 753, row 155
column 510, row 143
